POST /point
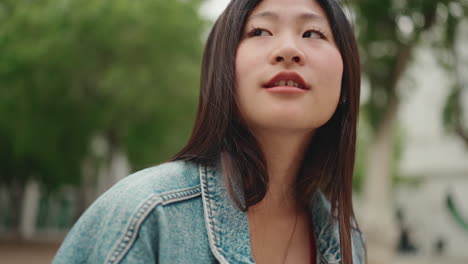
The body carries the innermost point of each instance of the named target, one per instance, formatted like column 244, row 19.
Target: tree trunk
column 379, row 225
column 116, row 166
column 3, row 208
column 29, row 210
column 105, row 165
column 16, row 195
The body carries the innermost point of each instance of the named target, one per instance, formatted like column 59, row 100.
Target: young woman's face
column 286, row 44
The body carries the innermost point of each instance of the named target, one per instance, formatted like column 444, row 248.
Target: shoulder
column 110, row 226
column 167, row 177
column 158, row 180
column 162, row 184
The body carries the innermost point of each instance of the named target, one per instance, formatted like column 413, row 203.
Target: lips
column 291, row 79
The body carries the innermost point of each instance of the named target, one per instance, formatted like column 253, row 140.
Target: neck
column 283, row 153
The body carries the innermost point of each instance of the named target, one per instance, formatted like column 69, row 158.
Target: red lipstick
column 287, row 82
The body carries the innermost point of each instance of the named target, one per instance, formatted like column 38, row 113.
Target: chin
column 287, row 124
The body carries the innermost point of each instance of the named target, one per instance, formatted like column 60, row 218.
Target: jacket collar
column 228, row 227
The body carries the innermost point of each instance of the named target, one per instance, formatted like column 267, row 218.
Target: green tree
column 388, row 32
column 69, row 70
column 455, row 113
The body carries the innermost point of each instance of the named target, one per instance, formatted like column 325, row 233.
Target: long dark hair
column 329, row 160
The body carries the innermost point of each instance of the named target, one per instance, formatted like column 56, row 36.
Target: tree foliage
column 389, row 31
column 455, row 113
column 71, row 69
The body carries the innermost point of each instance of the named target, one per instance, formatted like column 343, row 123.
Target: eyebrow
column 301, row 16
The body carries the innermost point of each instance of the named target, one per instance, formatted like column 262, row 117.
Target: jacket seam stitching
column 126, row 241
column 181, row 195
column 208, row 214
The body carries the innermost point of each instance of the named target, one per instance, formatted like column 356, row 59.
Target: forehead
column 298, row 9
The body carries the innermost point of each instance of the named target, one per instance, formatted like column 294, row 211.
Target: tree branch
column 461, row 131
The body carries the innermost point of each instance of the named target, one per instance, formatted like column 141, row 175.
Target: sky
column 213, row 8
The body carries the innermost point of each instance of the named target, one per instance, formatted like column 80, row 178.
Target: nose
column 288, row 53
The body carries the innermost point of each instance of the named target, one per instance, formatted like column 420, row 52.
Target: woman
column 266, row 175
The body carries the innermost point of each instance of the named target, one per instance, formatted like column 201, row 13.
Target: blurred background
column 92, row 90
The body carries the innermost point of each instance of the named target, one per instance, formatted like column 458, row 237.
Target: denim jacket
column 180, row 212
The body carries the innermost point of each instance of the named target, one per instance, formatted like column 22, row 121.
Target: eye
column 316, row 34
column 259, row 32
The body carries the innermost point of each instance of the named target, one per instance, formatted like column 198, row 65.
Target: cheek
column 246, row 60
column 246, row 74
column 331, row 66
column 331, row 75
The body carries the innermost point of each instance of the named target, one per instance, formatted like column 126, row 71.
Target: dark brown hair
column 329, row 160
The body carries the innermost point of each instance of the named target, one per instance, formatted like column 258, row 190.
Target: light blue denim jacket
column 180, row 212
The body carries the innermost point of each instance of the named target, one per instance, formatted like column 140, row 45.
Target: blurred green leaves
column 389, row 31
column 71, row 69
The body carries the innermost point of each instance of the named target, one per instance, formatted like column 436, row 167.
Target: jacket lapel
column 326, row 231
column 228, row 227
